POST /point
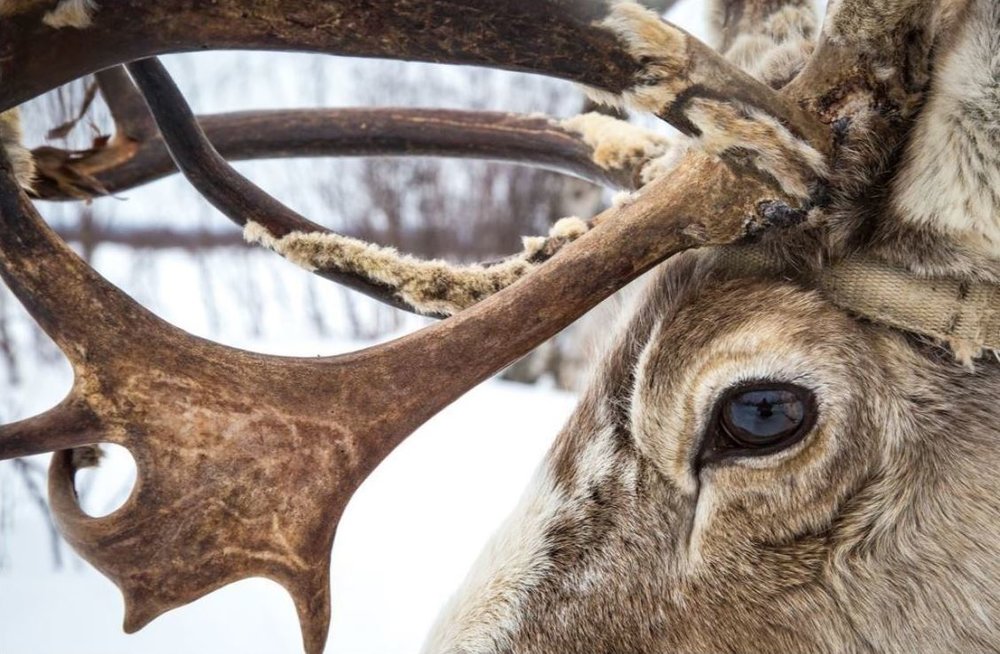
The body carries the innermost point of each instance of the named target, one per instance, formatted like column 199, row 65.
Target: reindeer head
column 776, row 452
column 755, row 468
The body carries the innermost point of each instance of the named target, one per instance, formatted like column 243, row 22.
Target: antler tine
column 74, row 305
column 429, row 287
column 207, row 171
column 521, row 139
column 233, row 194
column 67, row 425
column 128, row 109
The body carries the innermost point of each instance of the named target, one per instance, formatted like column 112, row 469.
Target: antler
column 622, row 51
column 245, row 460
column 135, row 154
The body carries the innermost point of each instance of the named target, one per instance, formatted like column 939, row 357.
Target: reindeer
column 787, row 446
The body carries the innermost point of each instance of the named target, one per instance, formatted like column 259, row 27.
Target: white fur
column 484, row 612
column 618, row 144
column 952, row 177
column 703, row 512
column 662, row 49
column 71, row 13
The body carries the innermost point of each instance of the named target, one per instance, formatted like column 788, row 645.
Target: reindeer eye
column 763, row 416
column 759, row 418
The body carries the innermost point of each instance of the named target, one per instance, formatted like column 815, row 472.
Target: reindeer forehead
column 698, row 315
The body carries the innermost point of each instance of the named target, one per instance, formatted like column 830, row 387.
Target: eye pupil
column 764, row 415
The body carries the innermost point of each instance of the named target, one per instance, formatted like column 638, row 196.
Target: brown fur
column 432, row 287
column 877, row 532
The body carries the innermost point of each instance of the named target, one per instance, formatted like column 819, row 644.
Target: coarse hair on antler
column 778, row 451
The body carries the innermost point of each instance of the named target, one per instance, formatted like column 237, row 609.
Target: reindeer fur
column 876, row 533
column 58, row 14
column 433, row 287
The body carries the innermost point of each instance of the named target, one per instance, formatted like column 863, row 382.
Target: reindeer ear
column 949, row 186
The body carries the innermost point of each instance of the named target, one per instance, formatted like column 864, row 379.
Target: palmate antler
column 245, row 461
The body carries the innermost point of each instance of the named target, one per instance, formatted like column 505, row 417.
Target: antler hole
column 104, row 479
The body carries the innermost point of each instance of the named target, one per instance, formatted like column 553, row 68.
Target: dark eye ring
column 757, row 418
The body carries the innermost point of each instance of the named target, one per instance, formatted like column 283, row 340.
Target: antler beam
column 552, row 37
column 527, row 140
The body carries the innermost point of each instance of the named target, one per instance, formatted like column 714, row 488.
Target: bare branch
column 529, row 140
column 154, row 238
column 60, row 131
column 38, row 496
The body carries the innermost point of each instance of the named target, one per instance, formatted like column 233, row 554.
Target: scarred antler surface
column 622, row 51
